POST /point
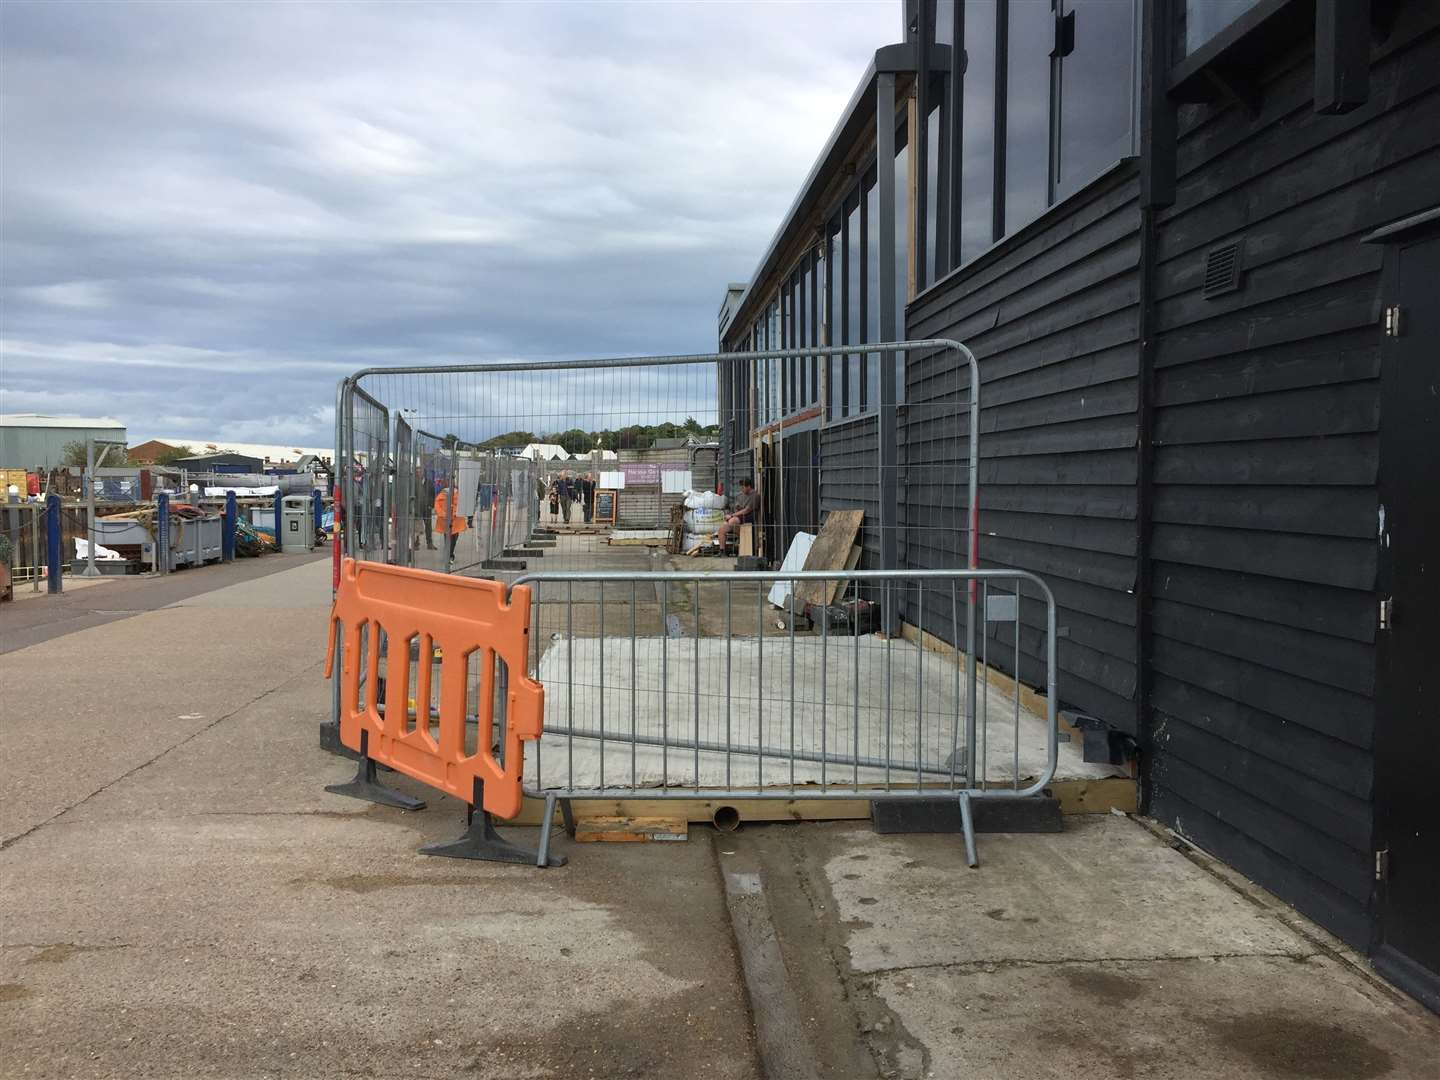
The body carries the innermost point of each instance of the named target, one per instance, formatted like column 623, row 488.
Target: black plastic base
column 481, row 842
column 992, row 815
column 330, row 740
column 365, row 787
column 503, row 564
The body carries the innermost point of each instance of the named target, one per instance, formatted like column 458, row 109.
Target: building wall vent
column 1222, row 270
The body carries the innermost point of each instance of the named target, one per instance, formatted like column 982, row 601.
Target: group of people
column 564, row 491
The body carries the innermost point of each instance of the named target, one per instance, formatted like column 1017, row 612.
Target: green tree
column 510, row 438
column 173, row 454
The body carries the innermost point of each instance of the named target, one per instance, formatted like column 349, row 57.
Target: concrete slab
column 1224, row 1018
column 914, row 902
column 823, row 697
column 317, row 945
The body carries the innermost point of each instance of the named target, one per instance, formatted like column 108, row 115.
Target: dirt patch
column 58, row 954
column 1279, row 1045
column 1105, row 986
column 368, row 883
column 687, row 1036
column 13, row 992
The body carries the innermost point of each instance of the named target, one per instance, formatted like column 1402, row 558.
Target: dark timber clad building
column 1195, row 246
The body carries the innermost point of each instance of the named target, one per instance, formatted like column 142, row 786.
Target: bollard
column 227, row 530
column 317, row 507
column 162, row 533
column 53, row 553
column 279, row 503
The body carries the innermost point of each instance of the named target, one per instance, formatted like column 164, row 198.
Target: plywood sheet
column 831, row 551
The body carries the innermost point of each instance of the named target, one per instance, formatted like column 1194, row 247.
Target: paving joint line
column 309, row 670
column 1015, row 962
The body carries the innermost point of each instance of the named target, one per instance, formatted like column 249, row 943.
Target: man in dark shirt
column 747, row 508
column 587, row 495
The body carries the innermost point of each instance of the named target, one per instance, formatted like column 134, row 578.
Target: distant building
column 150, row 453
column 33, row 441
column 221, row 463
column 273, row 455
column 544, row 452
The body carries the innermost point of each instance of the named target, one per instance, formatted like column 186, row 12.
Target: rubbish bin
column 297, row 526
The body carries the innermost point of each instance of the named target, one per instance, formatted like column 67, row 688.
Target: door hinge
column 1392, row 321
column 1382, row 864
column 1387, row 610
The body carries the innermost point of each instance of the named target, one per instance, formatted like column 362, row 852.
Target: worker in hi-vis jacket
column 444, row 520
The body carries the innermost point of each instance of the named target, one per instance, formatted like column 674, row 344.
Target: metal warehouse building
column 32, row 441
column 1195, row 249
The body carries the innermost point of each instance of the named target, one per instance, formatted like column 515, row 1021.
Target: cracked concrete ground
column 181, row 898
column 1101, row 952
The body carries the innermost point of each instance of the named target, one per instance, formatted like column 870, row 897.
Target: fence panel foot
column 480, row 841
column 967, row 824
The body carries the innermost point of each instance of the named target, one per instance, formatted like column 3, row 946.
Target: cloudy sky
column 210, row 212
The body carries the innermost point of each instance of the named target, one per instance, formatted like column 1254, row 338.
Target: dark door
column 1407, row 740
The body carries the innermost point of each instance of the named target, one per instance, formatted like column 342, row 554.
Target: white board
column 471, row 472
column 613, row 481
column 794, row 560
column 675, row 481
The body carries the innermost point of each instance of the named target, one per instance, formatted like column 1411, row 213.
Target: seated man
column 747, row 508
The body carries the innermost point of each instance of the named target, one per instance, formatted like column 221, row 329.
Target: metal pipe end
column 726, row 818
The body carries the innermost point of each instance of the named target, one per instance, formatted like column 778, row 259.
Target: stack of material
column 704, row 514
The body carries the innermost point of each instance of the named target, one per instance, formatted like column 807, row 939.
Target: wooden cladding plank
column 1313, row 511
column 1332, row 459
column 1332, row 179
column 1225, row 837
column 1343, row 263
column 1324, row 560
column 937, row 375
column 1345, row 358
column 1341, row 613
column 1326, row 310
column 1340, row 866
column 1320, row 410
column 1316, row 805
column 1330, row 711
column 1061, row 530
column 1339, row 662
column 1110, row 501
column 1330, row 762
column 1247, row 144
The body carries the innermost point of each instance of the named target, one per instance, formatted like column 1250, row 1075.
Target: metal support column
column 162, row 533
column 227, row 530
column 89, row 570
column 53, row 556
column 889, row 428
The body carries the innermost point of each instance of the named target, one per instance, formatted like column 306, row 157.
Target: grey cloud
column 211, row 212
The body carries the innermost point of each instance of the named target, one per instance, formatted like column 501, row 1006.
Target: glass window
column 832, row 320
column 1027, row 111
column 1202, row 19
column 854, row 275
column 932, row 191
column 977, row 164
column 1097, row 80
column 775, row 343
column 944, row 21
column 871, row 395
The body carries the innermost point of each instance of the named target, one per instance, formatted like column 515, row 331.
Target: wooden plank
column 625, row 830
column 830, row 551
column 1076, row 796
column 747, row 540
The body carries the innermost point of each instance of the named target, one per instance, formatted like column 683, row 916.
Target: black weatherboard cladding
column 1265, row 510
column 1053, row 316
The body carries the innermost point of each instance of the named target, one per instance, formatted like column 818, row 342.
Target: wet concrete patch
column 1281, row 1044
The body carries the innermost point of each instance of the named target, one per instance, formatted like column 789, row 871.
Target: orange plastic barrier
column 457, row 617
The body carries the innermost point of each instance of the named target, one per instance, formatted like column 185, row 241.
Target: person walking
column 587, row 494
column 447, row 521
column 565, row 488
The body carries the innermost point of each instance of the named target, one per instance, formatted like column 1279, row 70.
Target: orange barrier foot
column 366, row 787
column 480, row 840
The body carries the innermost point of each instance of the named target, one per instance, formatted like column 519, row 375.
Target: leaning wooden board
column 831, row 551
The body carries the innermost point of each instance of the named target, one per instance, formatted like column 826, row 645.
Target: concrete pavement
column 181, row 898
